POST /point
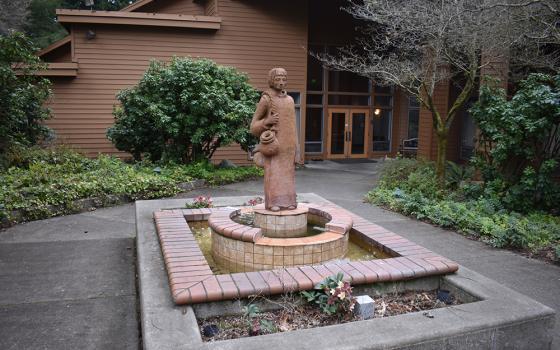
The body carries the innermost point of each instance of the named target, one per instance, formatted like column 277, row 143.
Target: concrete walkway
column 68, row 282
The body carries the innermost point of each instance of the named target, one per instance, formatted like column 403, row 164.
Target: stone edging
column 191, row 280
column 86, row 204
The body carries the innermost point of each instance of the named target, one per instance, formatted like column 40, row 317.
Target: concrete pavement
column 68, row 282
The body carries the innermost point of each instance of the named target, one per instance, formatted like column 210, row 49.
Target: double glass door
column 348, row 132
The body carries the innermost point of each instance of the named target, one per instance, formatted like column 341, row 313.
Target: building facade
column 340, row 115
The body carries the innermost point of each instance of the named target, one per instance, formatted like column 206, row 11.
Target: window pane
column 348, row 100
column 314, row 124
column 413, row 102
column 296, row 97
column 382, row 131
column 383, row 89
column 347, row 82
column 313, row 147
column 383, row 101
column 314, row 71
column 314, row 99
column 413, row 117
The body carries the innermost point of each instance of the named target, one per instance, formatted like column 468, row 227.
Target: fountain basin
column 241, row 248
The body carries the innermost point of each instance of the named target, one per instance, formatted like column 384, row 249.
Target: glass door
column 348, row 133
column 338, row 123
column 358, row 137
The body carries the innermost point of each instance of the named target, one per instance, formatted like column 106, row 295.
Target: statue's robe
column 279, row 170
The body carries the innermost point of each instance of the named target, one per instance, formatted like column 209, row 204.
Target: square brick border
column 191, row 280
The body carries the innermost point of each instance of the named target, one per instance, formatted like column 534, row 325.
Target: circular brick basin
column 281, row 224
column 239, row 247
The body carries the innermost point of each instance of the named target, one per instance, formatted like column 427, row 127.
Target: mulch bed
column 294, row 314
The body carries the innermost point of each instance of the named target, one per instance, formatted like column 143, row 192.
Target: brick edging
column 192, row 281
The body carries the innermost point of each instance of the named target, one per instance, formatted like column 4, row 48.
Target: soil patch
column 295, row 314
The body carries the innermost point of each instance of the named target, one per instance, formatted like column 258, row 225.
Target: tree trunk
column 441, row 155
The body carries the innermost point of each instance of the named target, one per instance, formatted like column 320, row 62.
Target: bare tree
column 12, row 14
column 417, row 44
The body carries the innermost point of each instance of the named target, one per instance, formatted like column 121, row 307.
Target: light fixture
column 90, row 34
column 377, row 112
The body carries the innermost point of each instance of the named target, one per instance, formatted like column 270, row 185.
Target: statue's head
column 277, row 78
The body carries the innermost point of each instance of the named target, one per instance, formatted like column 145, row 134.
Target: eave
column 66, row 40
column 138, row 19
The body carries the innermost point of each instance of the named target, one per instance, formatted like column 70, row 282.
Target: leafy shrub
column 183, row 111
column 520, row 142
column 22, row 93
column 333, row 296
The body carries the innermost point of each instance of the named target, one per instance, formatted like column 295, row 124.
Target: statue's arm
column 258, row 122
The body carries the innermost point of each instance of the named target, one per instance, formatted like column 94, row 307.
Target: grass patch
column 409, row 187
column 41, row 183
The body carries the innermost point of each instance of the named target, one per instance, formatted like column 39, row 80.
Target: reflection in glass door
column 348, row 133
column 358, row 140
column 338, row 133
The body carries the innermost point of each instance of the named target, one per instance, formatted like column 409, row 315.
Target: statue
column 274, row 123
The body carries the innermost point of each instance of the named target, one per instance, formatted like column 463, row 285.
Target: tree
column 184, row 111
column 540, row 37
column 12, row 15
column 41, row 24
column 418, row 44
column 22, row 93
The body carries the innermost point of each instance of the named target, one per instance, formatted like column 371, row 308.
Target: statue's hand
column 272, row 120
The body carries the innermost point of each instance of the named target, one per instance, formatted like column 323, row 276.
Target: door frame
column 348, row 120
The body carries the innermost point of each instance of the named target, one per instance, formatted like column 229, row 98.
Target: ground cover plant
column 40, row 183
column 410, row 187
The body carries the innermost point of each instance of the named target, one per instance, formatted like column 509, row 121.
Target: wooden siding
column 254, row 37
column 174, row 6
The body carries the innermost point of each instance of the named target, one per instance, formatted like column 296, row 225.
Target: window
column 314, row 70
column 382, row 118
column 413, row 117
column 297, row 102
column 314, row 130
column 382, row 125
column 347, row 82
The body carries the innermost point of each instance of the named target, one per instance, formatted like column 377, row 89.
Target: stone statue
column 274, row 123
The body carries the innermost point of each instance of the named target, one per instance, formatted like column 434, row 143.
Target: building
column 341, row 115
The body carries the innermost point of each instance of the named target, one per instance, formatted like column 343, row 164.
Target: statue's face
column 280, row 82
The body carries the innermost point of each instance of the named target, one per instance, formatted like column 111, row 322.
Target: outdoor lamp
column 377, row 112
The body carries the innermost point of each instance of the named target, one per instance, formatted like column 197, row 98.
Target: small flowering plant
column 333, row 295
column 200, row 202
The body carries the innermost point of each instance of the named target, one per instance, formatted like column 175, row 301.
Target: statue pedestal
column 281, row 224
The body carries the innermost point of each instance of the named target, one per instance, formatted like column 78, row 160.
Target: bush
column 470, row 209
column 22, row 93
column 183, row 111
column 520, row 142
column 43, row 183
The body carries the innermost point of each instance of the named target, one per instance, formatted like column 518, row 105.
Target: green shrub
column 22, row 93
column 183, row 111
column 519, row 142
